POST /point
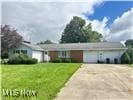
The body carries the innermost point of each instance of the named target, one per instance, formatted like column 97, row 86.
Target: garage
column 90, row 56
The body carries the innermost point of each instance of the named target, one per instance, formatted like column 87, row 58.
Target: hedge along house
column 81, row 52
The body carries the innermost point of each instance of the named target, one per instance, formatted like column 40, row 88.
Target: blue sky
column 110, row 9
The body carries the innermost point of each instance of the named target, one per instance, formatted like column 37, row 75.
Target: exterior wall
column 94, row 56
column 21, row 47
column 77, row 55
column 38, row 55
column 111, row 55
column 53, row 55
column 34, row 54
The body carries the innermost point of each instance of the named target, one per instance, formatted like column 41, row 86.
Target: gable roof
column 83, row 46
column 33, row 46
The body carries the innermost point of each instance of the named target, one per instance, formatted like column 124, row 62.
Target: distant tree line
column 46, row 42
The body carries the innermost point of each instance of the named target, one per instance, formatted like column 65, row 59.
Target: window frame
column 16, row 51
column 64, row 54
column 20, row 51
column 24, row 51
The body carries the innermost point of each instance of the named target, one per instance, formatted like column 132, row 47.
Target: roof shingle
column 83, row 46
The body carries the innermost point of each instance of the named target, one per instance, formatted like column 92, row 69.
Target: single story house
column 81, row 52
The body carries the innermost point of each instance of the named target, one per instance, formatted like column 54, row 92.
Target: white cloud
column 122, row 27
column 120, row 30
column 46, row 20
column 52, row 0
column 101, row 26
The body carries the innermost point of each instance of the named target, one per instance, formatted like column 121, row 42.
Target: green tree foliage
column 91, row 36
column 129, row 43
column 125, row 59
column 46, row 42
column 77, row 31
column 129, row 51
column 73, row 30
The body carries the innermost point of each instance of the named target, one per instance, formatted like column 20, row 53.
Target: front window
column 16, row 51
column 20, row 51
column 64, row 54
column 24, row 51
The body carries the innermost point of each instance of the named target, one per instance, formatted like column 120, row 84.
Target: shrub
column 22, row 59
column 58, row 60
column 4, row 55
column 62, row 60
column 14, row 59
column 74, row 61
column 30, row 61
column 66, row 60
column 125, row 59
column 4, row 61
column 130, row 53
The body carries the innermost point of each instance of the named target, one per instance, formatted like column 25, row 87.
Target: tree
column 77, row 31
column 129, row 43
column 129, row 51
column 73, row 30
column 92, row 36
column 9, row 39
column 46, row 42
column 125, row 59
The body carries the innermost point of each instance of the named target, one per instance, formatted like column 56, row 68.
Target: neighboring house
column 81, row 52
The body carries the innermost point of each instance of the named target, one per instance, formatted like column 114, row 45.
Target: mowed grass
column 130, row 65
column 45, row 78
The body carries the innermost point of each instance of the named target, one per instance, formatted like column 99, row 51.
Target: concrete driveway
column 99, row 82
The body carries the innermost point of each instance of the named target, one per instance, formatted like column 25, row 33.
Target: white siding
column 111, row 55
column 21, row 47
column 34, row 54
column 94, row 56
column 38, row 55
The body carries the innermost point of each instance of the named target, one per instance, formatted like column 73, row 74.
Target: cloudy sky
column 37, row 21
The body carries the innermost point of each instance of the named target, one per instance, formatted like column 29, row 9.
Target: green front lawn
column 45, row 78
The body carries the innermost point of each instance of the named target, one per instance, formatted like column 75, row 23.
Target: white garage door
column 37, row 55
column 90, row 56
